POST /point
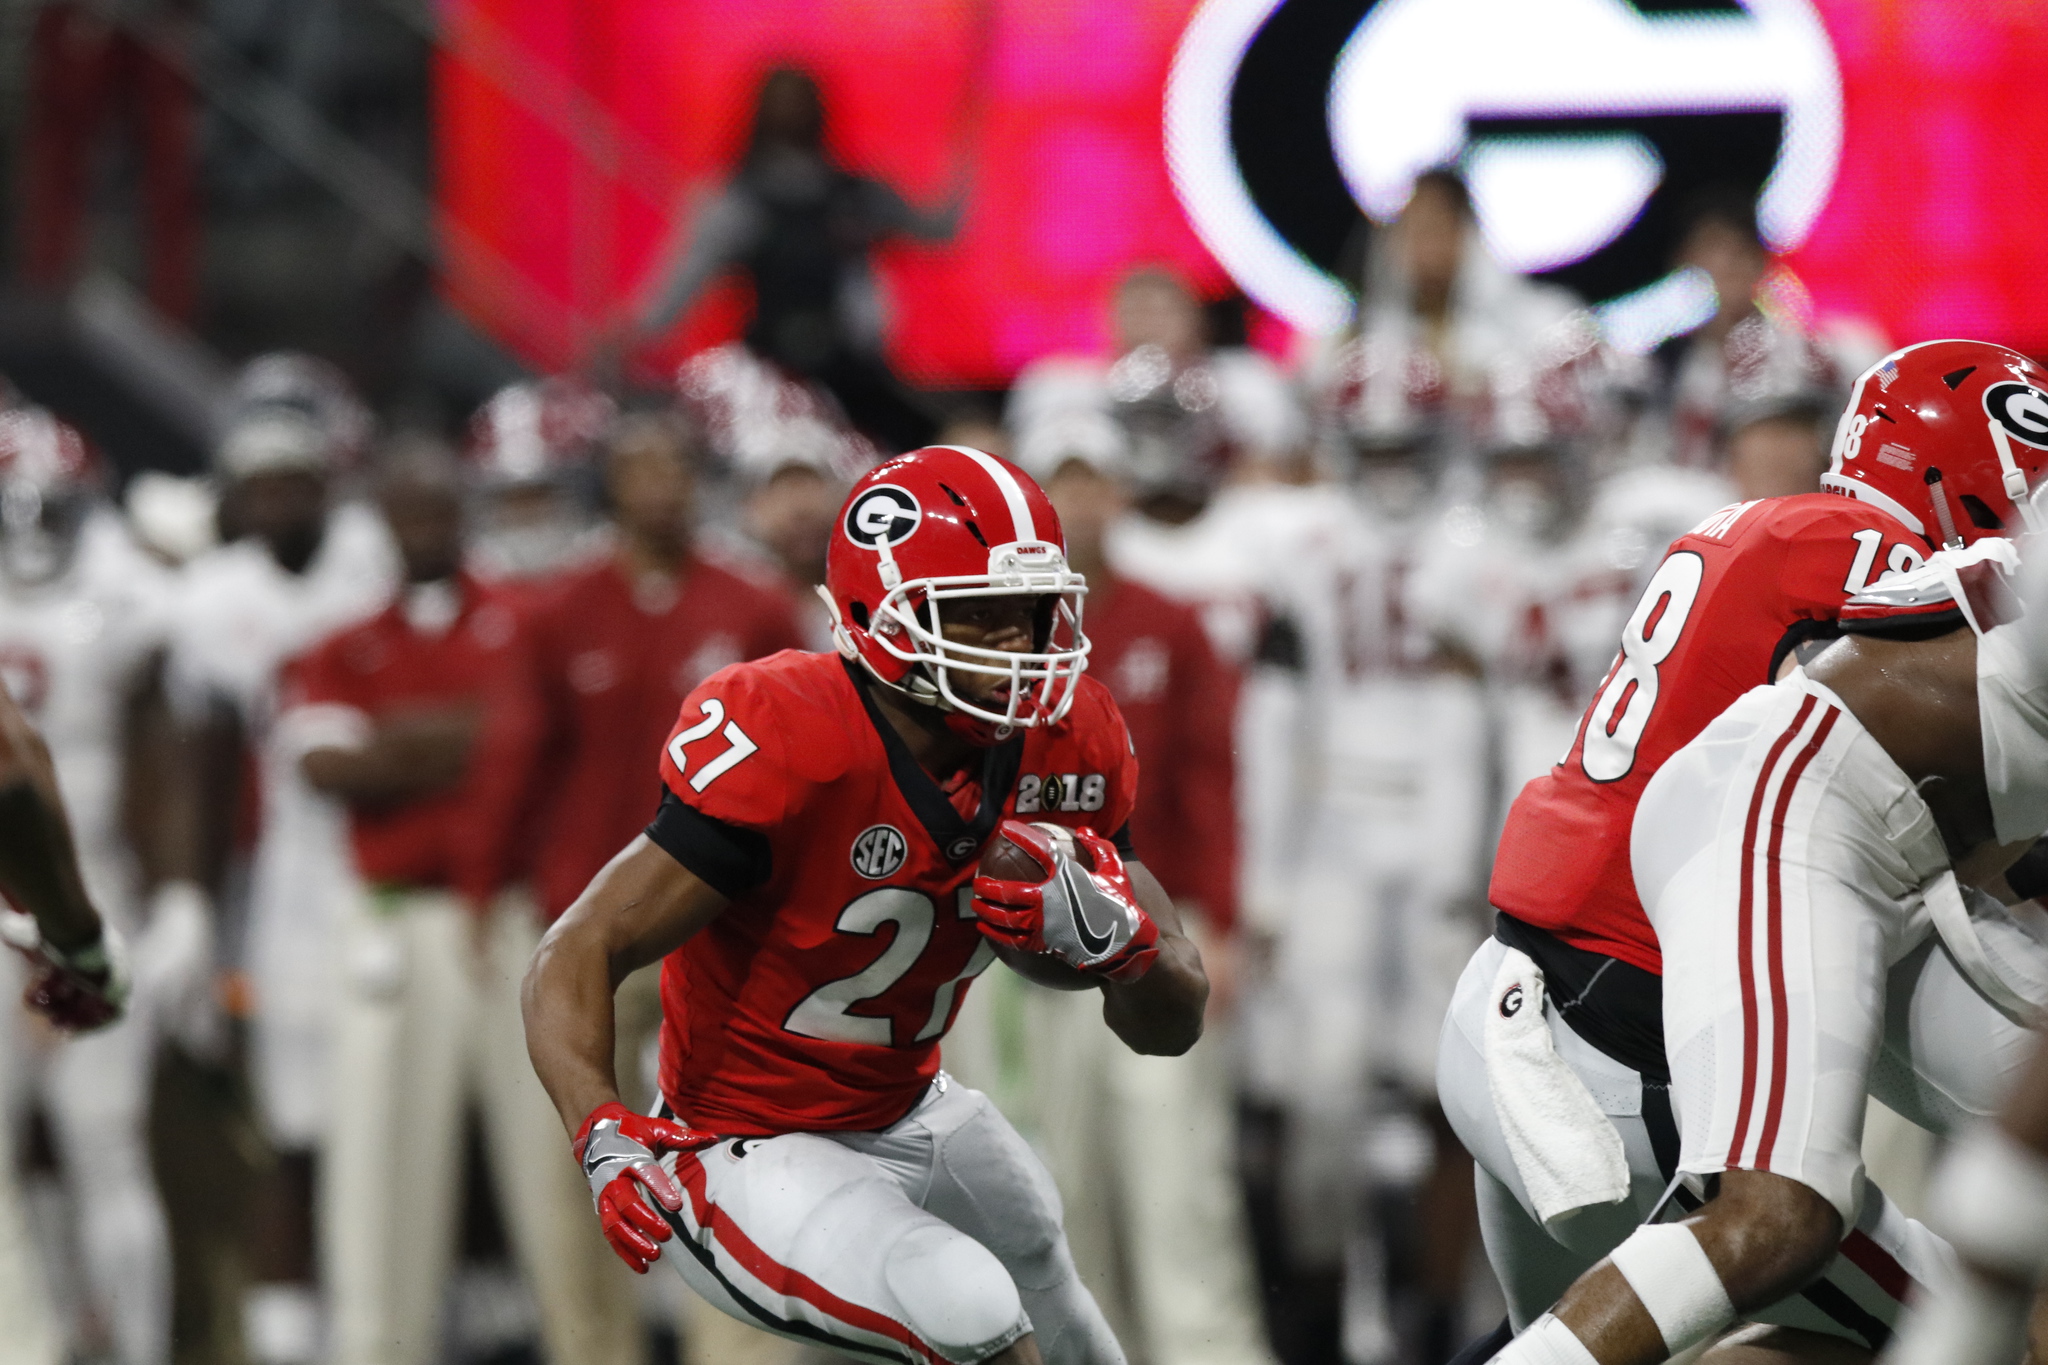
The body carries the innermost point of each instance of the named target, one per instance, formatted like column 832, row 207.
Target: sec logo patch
column 879, row 851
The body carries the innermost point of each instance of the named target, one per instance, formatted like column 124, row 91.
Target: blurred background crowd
column 267, row 469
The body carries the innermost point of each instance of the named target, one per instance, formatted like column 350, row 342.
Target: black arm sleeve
column 730, row 860
column 1122, row 840
column 2028, row 877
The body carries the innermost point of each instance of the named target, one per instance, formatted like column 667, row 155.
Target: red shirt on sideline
column 616, row 660
column 1180, row 701
column 459, row 838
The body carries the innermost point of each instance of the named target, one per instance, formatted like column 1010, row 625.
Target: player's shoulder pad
column 786, row 716
column 1972, row 586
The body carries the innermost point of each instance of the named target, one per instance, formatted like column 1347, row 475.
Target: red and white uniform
column 1730, row 599
column 782, row 1015
column 458, row 839
column 616, row 660
column 71, row 653
column 806, row 1020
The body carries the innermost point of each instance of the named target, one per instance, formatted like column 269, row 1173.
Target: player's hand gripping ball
column 620, row 1152
column 79, row 991
column 1046, row 889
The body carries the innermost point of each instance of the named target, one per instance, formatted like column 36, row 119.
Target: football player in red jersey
column 810, row 878
column 1930, row 451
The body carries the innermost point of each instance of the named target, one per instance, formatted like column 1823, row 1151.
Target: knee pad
column 954, row 1293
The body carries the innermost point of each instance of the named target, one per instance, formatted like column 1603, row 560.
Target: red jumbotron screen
column 1900, row 146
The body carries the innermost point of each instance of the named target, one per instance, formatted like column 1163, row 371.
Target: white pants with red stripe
column 934, row 1240
column 1780, row 856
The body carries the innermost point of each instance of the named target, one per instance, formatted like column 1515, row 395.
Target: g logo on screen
column 1582, row 127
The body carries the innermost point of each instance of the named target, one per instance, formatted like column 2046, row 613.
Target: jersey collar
column 958, row 840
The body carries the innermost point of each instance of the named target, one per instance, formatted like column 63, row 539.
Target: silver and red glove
column 82, row 990
column 1088, row 919
column 620, row 1152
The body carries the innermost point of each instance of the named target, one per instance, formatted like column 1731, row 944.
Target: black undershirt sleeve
column 1122, row 840
column 730, row 860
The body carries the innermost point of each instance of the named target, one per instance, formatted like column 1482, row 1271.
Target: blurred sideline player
column 299, row 561
column 1731, row 606
column 78, row 980
column 528, row 445
column 1157, row 1231
column 813, row 1168
column 83, row 613
column 1384, row 785
column 424, row 721
column 1753, row 345
column 619, row 644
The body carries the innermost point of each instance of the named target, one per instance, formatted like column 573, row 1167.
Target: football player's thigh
column 987, row 1182
column 1772, row 1019
column 804, row 1237
column 1948, row 1054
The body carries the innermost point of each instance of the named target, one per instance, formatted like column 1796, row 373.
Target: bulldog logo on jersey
column 2021, row 409
column 879, row 851
column 884, row 515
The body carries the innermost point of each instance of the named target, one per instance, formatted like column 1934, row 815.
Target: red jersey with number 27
column 1732, row 596
column 817, row 1000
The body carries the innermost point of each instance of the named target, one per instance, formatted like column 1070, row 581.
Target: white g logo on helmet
column 884, row 515
column 2021, row 409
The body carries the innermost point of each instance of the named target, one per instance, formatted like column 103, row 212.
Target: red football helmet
column 942, row 524
column 530, row 433
column 1950, row 437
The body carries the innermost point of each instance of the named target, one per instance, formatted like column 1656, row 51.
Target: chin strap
column 1939, row 494
column 2015, row 477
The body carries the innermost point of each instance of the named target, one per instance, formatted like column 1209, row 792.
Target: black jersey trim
column 1614, row 1005
column 959, row 841
column 1803, row 632
column 1908, row 626
column 728, row 859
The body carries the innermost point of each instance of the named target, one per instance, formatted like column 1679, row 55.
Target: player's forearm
column 566, row 1001
column 39, row 868
column 1160, row 1014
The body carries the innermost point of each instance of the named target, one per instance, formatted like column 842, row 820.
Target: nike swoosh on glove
column 82, row 990
column 620, row 1152
column 1090, row 920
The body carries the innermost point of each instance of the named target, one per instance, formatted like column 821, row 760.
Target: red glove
column 620, row 1153
column 1090, row 920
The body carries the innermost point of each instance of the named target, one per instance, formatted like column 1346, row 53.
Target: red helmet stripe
column 1012, row 491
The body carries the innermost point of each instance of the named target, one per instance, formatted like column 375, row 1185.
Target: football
column 1009, row 861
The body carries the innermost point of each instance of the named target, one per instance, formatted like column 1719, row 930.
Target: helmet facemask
column 909, row 624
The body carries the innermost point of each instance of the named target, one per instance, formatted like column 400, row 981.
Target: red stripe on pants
column 781, row 1278
column 1744, row 918
column 1775, row 927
